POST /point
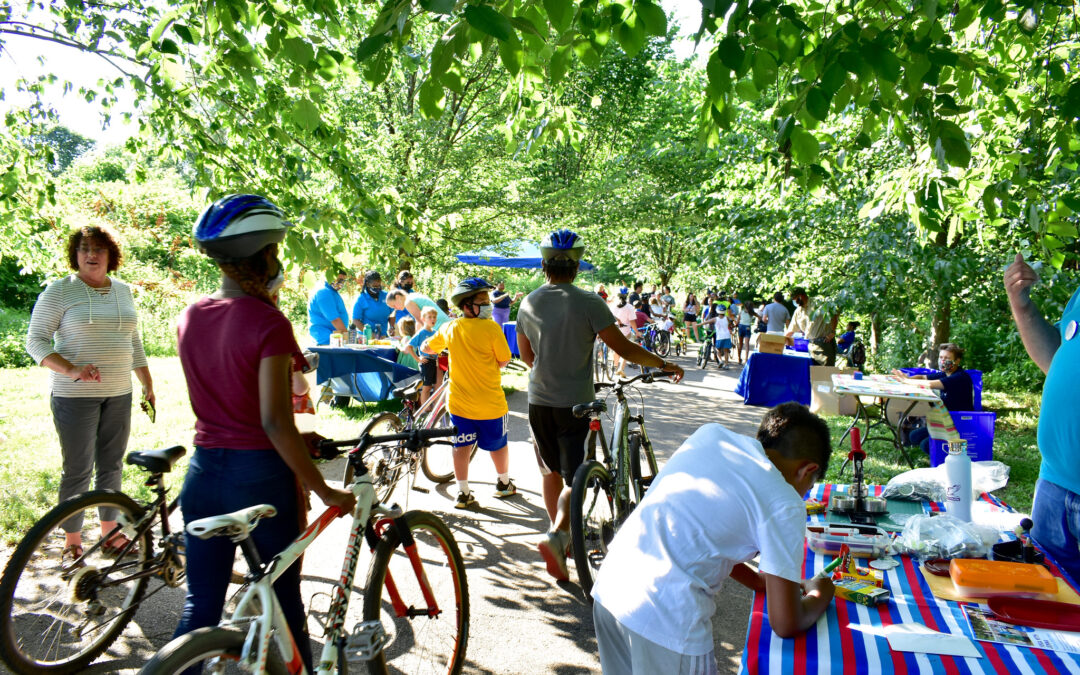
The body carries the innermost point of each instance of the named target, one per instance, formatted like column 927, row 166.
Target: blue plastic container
column 977, row 428
column 801, row 344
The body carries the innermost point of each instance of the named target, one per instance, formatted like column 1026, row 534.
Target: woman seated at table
column 953, row 384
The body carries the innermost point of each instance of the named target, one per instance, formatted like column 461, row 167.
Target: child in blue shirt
column 429, row 363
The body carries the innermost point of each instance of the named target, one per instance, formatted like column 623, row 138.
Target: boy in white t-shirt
column 721, row 500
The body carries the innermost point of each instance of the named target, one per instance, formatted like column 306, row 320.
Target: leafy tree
column 63, row 146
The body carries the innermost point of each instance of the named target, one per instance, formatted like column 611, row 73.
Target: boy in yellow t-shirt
column 478, row 351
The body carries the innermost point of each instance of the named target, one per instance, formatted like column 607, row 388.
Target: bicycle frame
column 269, row 615
column 619, row 442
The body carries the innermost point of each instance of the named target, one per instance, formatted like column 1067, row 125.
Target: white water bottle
column 958, row 481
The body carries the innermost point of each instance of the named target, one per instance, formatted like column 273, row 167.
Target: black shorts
column 690, row 318
column 429, row 370
column 559, row 439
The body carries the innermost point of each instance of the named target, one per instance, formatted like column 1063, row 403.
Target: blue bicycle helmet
column 238, row 226
column 562, row 248
column 468, row 288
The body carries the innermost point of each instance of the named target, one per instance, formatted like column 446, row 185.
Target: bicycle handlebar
column 643, row 377
column 416, row 436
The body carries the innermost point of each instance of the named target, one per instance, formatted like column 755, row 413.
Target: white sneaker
column 553, row 551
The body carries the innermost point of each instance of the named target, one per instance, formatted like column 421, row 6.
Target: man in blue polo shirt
column 1056, row 350
column 326, row 311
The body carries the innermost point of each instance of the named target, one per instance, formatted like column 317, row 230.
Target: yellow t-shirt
column 476, row 346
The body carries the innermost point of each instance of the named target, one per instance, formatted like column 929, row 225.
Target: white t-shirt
column 723, row 329
column 627, row 315
column 717, row 502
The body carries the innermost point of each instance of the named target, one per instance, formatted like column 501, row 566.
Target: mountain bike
column 603, row 362
column 388, row 462
column 57, row 615
column 707, row 349
column 605, row 491
column 416, row 599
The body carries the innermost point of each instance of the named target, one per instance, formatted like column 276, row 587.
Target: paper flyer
column 987, row 628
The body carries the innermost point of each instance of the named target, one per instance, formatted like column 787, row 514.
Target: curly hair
column 796, row 433
column 251, row 273
column 96, row 234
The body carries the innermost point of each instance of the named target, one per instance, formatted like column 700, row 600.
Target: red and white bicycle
column 416, row 600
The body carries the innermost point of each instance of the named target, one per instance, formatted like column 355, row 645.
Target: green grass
column 30, row 461
column 1014, row 444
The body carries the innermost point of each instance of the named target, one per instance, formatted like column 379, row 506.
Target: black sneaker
column 504, row 490
column 465, row 501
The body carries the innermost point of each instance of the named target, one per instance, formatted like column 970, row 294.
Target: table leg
column 899, row 434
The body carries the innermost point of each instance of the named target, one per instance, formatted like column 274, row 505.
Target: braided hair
column 251, row 273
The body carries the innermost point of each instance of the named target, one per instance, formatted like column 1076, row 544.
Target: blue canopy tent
column 518, row 254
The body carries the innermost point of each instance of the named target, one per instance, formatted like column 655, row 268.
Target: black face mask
column 407, row 287
column 374, row 291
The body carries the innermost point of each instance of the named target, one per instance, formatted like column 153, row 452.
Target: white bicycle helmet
column 238, row 226
column 562, row 248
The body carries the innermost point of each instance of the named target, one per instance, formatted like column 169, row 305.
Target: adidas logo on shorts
column 465, row 438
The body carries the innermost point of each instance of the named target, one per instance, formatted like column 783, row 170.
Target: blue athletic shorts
column 488, row 435
column 723, row 343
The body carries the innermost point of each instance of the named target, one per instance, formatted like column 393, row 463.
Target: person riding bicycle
column 477, row 405
column 558, row 324
column 237, row 350
column 721, row 500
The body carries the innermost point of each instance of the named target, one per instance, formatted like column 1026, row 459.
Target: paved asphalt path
column 522, row 620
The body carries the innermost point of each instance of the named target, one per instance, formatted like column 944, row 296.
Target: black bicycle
column 58, row 614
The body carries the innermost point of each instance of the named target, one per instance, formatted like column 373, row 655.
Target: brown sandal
column 71, row 554
column 111, row 549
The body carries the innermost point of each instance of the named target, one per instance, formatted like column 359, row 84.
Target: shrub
column 13, row 325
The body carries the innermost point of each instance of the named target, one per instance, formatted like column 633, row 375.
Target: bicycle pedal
column 424, row 490
column 365, row 642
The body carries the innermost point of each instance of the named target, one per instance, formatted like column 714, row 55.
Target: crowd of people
column 654, row 595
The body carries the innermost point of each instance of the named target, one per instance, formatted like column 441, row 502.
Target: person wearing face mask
column 237, row 351
column 477, row 405
column 815, row 326
column 953, row 384
column 404, row 282
column 326, row 311
column 370, row 308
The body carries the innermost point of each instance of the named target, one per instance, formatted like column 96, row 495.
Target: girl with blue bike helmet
column 238, row 352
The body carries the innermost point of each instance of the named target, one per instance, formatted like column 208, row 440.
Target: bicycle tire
column 206, row 643
column 409, row 636
column 383, row 461
column 592, row 521
column 599, row 368
column 435, row 467
column 663, row 344
column 39, row 609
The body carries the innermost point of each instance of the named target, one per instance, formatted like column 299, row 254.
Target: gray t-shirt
column 561, row 322
column 777, row 316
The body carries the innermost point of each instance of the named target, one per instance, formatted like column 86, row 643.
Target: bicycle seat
column 236, row 525
column 583, row 409
column 409, row 388
column 156, row 461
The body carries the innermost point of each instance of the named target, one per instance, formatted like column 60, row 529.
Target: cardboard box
column 823, row 400
column 770, row 343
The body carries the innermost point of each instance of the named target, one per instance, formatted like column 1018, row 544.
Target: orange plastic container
column 976, row 578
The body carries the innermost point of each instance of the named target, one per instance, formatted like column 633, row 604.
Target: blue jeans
column 921, row 438
column 1056, row 514
column 221, row 481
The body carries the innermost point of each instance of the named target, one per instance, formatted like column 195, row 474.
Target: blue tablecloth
column 510, row 331
column 371, row 371
column 772, row 379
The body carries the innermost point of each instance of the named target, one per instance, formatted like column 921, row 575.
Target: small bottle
column 958, row 481
column 352, row 335
column 367, row 334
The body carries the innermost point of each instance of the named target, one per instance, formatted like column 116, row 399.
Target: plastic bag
column 943, row 536
column 929, row 483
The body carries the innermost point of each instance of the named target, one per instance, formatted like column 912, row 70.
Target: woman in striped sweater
column 85, row 329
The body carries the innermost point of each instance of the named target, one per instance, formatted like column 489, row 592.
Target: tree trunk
column 940, row 330
column 875, row 333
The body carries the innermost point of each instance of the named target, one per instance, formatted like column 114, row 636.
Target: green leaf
column 525, row 25
column 432, row 99
column 953, row 143
column 1070, row 107
column 298, row 51
column 511, row 54
column 306, row 115
column 560, row 60
column 560, row 13
column 851, row 61
column 185, row 33
column 790, row 42
column 631, row 37
column 804, row 146
column 817, row 103
column 731, row 52
column 764, row 69
column 883, row 61
column 487, row 20
column 369, row 46
column 439, row 6
column 747, row 91
column 377, row 69
column 833, row 78
column 167, row 46
column 653, row 18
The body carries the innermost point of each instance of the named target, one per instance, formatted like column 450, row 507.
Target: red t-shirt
column 642, row 319
column 221, row 343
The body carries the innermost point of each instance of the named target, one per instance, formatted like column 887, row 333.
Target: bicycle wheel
column 216, row 649
column 592, row 521
column 419, row 643
column 384, row 461
column 663, row 344
column 599, row 369
column 641, row 469
column 437, row 462
column 55, row 619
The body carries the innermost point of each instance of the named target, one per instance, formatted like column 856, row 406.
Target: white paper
column 915, row 637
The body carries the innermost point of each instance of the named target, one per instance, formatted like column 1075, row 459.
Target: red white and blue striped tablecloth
column 845, row 640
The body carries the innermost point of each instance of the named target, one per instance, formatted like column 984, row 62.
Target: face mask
column 485, row 311
column 374, row 291
column 274, row 283
column 946, row 364
column 407, row 288
column 337, row 285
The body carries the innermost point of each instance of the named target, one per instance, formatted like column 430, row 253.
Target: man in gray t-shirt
column 776, row 315
column 557, row 327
